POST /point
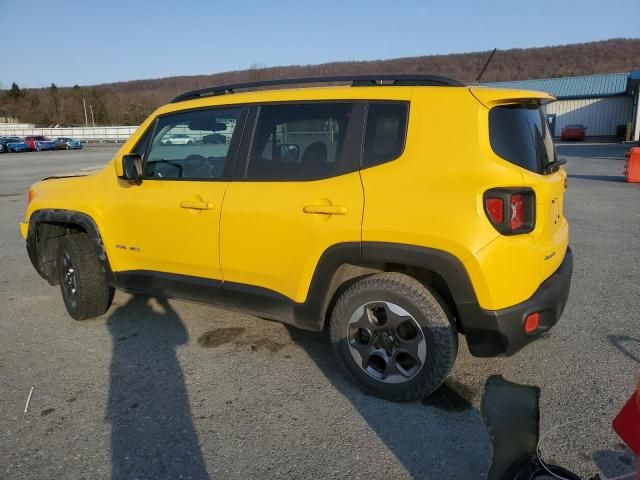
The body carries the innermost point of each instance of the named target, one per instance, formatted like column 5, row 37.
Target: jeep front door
column 165, row 229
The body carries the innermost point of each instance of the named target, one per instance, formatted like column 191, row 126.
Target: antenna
column 486, row 65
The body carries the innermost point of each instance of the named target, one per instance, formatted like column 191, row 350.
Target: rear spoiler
column 490, row 97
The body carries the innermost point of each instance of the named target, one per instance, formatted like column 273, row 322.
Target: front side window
column 299, row 141
column 143, row 142
column 519, row 133
column 192, row 145
column 386, row 132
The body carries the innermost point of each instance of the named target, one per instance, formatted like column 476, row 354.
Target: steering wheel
column 196, row 166
column 194, row 161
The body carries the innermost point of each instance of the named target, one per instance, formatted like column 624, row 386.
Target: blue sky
column 88, row 42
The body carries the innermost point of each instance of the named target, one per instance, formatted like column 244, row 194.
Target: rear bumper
column 493, row 333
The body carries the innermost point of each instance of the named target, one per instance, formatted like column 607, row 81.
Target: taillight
column 495, row 209
column 517, row 211
column 511, row 210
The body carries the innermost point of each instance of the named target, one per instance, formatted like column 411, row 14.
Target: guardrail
column 99, row 134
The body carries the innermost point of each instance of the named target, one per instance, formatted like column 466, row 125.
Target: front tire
column 394, row 336
column 85, row 291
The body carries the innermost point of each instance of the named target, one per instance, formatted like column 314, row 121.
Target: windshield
column 519, row 133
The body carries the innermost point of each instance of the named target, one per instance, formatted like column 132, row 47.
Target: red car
column 573, row 132
column 39, row 142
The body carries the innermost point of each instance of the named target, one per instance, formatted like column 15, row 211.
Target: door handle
column 196, row 205
column 326, row 209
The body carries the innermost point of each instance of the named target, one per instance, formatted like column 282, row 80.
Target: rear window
column 386, row 131
column 519, row 133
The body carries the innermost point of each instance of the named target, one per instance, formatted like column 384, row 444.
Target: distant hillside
column 130, row 102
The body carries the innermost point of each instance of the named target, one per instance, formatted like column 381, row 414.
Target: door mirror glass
column 132, row 167
column 289, row 152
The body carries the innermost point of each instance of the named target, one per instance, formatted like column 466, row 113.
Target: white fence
column 101, row 134
column 4, row 124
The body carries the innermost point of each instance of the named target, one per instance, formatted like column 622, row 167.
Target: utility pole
column 86, row 120
column 93, row 121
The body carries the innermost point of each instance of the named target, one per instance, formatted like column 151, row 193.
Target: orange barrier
column 632, row 165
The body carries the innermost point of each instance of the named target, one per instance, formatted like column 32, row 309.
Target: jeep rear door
column 295, row 193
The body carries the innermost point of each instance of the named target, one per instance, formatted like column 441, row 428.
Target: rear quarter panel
column 423, row 197
column 431, row 196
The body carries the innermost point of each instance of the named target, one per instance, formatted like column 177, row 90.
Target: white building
column 605, row 104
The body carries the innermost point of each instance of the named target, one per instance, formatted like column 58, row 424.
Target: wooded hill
column 128, row 103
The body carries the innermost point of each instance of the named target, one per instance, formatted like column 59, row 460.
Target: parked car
column 42, row 145
column 39, row 142
column 66, row 143
column 177, row 139
column 215, row 138
column 367, row 220
column 16, row 144
column 5, row 140
column 573, row 132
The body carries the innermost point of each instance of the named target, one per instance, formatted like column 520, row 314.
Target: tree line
column 129, row 103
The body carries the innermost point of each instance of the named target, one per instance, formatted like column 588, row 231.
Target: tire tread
column 94, row 294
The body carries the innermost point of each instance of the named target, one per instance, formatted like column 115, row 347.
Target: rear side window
column 386, row 132
column 299, row 141
column 519, row 133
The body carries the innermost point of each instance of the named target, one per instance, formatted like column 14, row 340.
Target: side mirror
column 289, row 152
column 131, row 167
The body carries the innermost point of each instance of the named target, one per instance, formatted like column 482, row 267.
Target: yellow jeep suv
column 397, row 211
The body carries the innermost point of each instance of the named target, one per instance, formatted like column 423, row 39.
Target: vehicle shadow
column 611, row 151
column 152, row 432
column 602, row 178
column 441, row 437
column 629, row 346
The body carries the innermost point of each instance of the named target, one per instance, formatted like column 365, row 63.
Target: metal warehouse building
column 602, row 103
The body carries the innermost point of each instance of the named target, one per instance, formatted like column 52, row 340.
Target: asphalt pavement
column 171, row 389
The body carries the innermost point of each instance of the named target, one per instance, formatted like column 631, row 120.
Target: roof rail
column 356, row 81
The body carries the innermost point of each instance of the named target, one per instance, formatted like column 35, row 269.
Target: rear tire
column 84, row 288
column 394, row 336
